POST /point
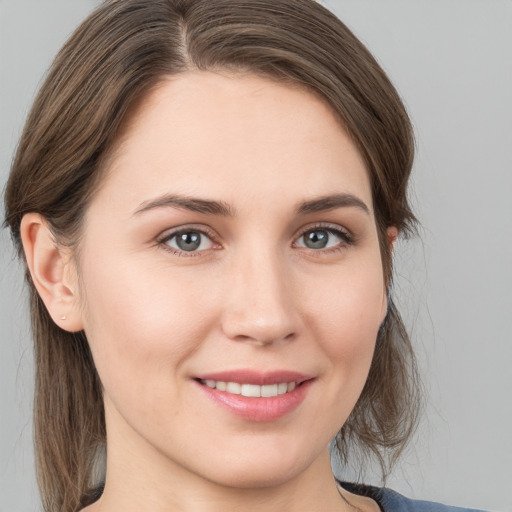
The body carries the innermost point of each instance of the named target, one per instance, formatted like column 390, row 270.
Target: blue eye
column 188, row 241
column 322, row 238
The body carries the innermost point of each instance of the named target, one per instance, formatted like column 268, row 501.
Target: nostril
column 263, row 342
column 263, row 327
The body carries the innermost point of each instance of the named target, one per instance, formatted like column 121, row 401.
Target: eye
column 323, row 238
column 190, row 240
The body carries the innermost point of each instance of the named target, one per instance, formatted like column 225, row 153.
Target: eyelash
column 346, row 239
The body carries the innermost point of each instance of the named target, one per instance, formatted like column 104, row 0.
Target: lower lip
column 258, row 409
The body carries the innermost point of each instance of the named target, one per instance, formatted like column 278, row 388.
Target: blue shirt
column 391, row 501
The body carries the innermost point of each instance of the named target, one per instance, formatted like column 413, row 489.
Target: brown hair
column 112, row 60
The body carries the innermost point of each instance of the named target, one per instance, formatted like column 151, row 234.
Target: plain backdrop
column 451, row 61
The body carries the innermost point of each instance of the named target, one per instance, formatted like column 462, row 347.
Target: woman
column 207, row 194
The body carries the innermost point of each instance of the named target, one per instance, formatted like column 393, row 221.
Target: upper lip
column 260, row 378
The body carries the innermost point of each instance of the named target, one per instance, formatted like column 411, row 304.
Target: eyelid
column 346, row 233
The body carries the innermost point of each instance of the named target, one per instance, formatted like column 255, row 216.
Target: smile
column 254, row 395
column 251, row 390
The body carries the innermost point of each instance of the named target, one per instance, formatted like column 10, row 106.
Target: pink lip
column 262, row 409
column 247, row 376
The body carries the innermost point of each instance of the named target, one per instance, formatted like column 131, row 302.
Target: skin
column 253, row 295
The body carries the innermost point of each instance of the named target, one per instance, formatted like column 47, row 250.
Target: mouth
column 256, row 396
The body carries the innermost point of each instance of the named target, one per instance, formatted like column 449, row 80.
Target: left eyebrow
column 331, row 202
column 193, row 204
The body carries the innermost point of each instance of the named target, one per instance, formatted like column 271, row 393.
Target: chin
column 260, row 470
column 255, row 478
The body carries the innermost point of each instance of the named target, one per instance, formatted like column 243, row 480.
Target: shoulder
column 391, row 501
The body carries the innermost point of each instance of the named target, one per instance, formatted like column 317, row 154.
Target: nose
column 259, row 306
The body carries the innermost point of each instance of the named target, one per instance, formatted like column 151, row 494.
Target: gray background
column 452, row 62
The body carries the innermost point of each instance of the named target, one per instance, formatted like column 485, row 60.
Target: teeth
column 233, row 387
column 282, row 388
column 251, row 390
column 269, row 390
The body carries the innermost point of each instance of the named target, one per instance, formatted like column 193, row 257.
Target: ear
column 52, row 273
column 391, row 238
column 392, row 235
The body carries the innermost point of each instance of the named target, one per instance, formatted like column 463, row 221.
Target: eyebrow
column 221, row 208
column 193, row 204
column 330, row 202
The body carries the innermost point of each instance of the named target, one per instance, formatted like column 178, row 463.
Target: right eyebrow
column 194, row 204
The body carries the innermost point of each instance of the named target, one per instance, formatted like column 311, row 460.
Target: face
column 231, row 252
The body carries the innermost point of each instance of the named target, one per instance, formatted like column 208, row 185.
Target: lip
column 257, row 409
column 248, row 376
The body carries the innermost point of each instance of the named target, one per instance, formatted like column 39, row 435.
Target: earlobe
column 49, row 268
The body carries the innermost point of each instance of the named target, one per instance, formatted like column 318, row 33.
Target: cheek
column 346, row 316
column 352, row 303
column 343, row 316
column 140, row 320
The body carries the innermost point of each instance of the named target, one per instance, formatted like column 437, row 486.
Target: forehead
column 234, row 136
